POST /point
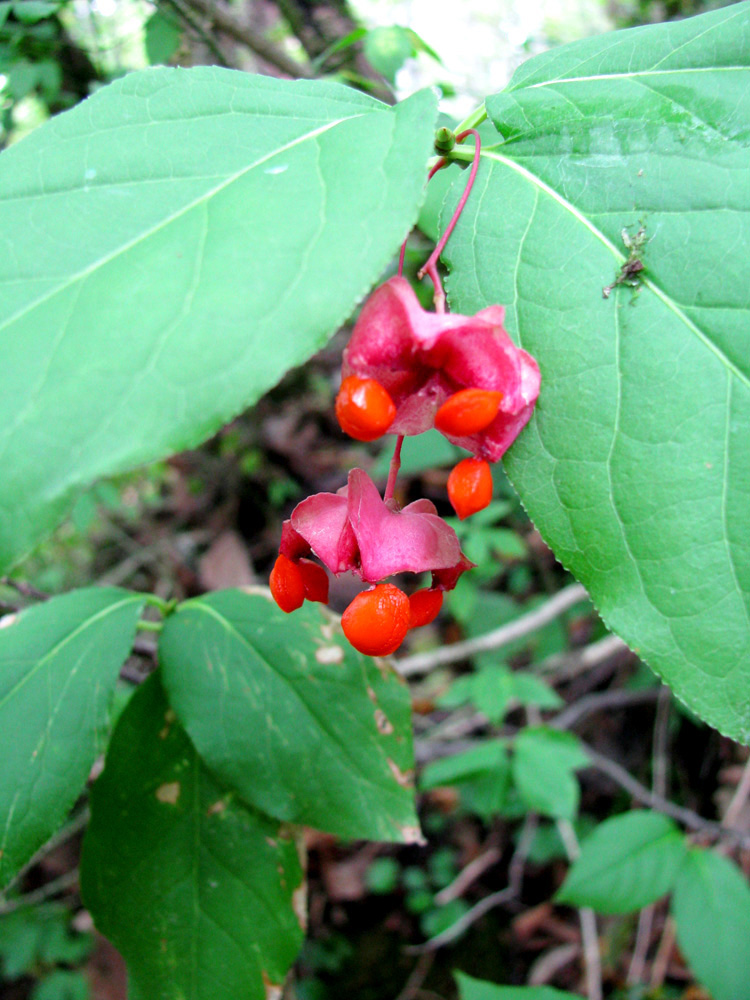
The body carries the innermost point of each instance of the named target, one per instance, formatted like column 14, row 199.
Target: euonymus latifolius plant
column 406, row 371
column 175, row 244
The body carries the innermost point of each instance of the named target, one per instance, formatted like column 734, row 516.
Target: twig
column 193, row 22
column 65, row 881
column 587, row 918
column 24, row 589
column 254, row 40
column 417, row 976
column 688, row 818
column 422, row 663
column 740, row 797
column 474, row 870
column 661, row 960
column 75, row 826
column 511, row 891
column 592, row 703
column 659, row 784
column 566, row 666
column 660, row 757
column 649, row 798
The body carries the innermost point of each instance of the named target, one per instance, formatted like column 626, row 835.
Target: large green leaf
column 711, row 908
column 636, row 465
column 194, row 888
column 169, row 249
column 627, row 862
column 58, row 665
column 284, row 711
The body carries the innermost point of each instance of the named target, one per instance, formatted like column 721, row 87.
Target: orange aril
column 425, row 606
column 314, row 580
column 468, row 412
column 364, row 409
column 287, row 585
column 470, row 486
column 377, row 620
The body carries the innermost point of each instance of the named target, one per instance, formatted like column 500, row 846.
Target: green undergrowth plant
column 174, row 245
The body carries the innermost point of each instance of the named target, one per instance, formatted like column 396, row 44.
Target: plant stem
column 148, row 626
column 587, row 917
column 390, row 486
column 166, row 607
column 477, row 116
column 422, row 663
column 430, row 268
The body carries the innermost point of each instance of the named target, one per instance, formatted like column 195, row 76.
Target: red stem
column 430, row 267
column 401, row 258
column 395, row 466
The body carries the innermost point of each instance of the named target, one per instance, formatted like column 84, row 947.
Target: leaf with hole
column 286, row 713
column 195, row 889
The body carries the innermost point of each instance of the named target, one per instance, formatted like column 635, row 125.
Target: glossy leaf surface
column 636, row 465
column 59, row 662
column 627, row 862
column 170, row 247
column 284, row 711
column 193, row 888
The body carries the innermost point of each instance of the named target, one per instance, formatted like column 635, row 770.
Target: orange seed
column 286, row 583
column 314, row 580
column 425, row 605
column 377, row 620
column 364, row 409
column 470, row 486
column 468, row 412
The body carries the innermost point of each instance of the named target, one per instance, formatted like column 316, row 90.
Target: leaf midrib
column 51, row 653
column 647, row 282
column 352, row 764
column 636, row 74
column 167, row 220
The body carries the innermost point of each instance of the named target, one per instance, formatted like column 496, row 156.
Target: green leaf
column 161, row 37
column 478, row 989
column 481, row 775
column 284, row 711
column 179, row 241
column 529, row 689
column 628, row 862
column 636, row 465
column 490, row 689
column 39, row 935
column 59, row 663
column 711, row 908
column 193, row 888
column 387, row 49
column 31, row 11
column 62, row 984
column 543, row 766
